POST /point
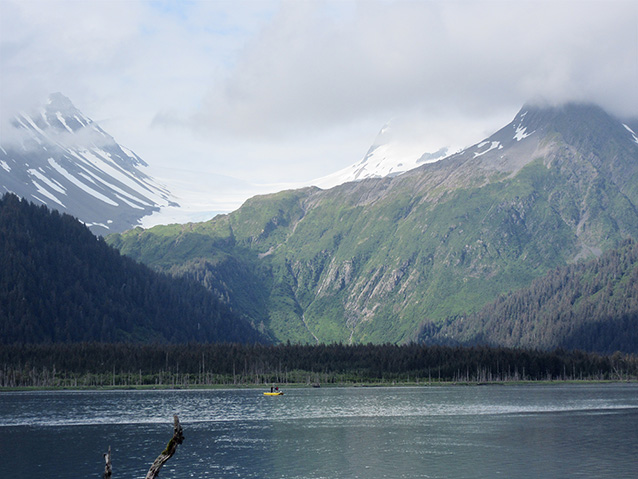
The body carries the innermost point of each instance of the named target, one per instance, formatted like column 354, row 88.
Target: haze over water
column 561, row 431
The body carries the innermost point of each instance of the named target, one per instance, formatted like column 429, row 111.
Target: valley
column 389, row 257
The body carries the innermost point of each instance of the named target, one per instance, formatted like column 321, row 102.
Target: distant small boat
column 276, row 393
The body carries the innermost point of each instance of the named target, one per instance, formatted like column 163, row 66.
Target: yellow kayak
column 278, row 393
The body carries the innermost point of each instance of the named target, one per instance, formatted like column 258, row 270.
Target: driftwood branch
column 107, row 468
column 176, row 440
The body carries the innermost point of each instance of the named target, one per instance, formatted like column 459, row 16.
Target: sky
column 230, row 98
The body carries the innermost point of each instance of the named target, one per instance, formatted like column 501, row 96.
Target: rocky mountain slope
column 60, row 158
column 372, row 260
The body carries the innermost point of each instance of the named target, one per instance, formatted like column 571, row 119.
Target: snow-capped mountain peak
column 389, row 155
column 59, row 157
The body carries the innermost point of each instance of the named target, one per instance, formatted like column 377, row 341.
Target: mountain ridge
column 59, row 157
column 371, row 260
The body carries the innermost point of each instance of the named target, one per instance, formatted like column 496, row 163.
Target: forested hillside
column 591, row 305
column 60, row 283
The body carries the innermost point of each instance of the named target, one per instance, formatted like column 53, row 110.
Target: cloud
column 277, row 90
column 307, row 70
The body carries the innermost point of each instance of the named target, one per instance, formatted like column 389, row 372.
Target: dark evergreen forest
column 191, row 365
column 591, row 305
column 60, row 283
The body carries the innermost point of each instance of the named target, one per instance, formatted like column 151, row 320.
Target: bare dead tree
column 107, row 468
column 171, row 447
column 176, row 440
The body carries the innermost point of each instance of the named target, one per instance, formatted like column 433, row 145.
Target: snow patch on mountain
column 390, row 154
column 80, row 184
column 493, row 146
column 633, row 134
column 520, row 132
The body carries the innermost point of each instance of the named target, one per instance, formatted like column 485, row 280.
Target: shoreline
column 283, row 387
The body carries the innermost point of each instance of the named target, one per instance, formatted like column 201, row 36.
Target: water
column 553, row 431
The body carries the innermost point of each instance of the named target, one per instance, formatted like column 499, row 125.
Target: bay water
column 522, row 431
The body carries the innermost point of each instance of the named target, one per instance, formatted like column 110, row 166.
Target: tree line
column 196, row 364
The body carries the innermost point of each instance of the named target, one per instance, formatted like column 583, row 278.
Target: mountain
column 590, row 305
column 372, row 260
column 390, row 155
column 60, row 158
column 60, row 283
column 632, row 126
